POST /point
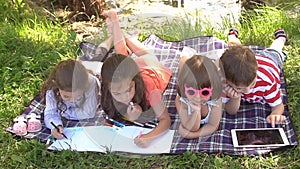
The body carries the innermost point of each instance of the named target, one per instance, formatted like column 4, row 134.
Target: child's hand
column 230, row 92
column 57, row 134
column 134, row 111
column 275, row 119
column 195, row 107
column 143, row 141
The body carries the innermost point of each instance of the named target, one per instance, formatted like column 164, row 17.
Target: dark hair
column 117, row 68
column 199, row 72
column 68, row 75
column 239, row 65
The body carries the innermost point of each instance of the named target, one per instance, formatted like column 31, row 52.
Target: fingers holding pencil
column 57, row 132
column 142, row 140
column 134, row 111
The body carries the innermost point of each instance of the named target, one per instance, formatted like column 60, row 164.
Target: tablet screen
column 258, row 137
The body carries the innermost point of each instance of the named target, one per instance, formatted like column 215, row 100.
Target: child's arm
column 276, row 116
column 206, row 129
column 273, row 97
column 51, row 113
column 163, row 125
column 136, row 46
column 190, row 122
column 233, row 105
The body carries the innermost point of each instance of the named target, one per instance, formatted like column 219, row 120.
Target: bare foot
column 111, row 15
column 111, row 18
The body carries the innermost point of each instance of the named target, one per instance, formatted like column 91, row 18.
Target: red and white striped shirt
column 267, row 87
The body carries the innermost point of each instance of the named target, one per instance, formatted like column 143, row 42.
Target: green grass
column 30, row 45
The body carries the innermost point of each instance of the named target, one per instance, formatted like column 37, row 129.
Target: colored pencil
column 134, row 122
column 116, row 122
column 110, row 125
column 131, row 104
column 140, row 134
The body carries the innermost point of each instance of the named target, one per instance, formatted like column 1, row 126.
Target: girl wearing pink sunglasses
column 198, row 101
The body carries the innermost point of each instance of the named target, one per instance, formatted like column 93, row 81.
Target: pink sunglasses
column 205, row 92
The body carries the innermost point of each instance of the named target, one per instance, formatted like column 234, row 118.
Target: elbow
column 165, row 118
column 184, row 135
column 187, row 134
column 231, row 111
column 168, row 121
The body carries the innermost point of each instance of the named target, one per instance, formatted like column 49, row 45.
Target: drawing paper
column 105, row 138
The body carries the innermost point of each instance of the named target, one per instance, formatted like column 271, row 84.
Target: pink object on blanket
column 20, row 126
column 34, row 123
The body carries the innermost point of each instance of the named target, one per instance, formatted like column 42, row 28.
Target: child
column 133, row 87
column 199, row 97
column 254, row 77
column 70, row 92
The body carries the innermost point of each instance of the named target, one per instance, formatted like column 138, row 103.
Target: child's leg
column 106, row 44
column 114, row 26
column 280, row 39
column 275, row 50
column 233, row 37
column 136, row 46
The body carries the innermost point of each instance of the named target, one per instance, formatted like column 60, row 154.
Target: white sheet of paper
column 125, row 142
column 78, row 140
column 104, row 138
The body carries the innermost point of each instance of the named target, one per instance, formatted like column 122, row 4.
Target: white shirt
column 73, row 112
column 208, row 103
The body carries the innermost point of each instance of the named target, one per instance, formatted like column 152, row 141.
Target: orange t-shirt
column 156, row 78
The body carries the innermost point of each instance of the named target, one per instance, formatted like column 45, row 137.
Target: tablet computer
column 259, row 137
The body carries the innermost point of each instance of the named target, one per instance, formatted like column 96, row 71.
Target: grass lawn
column 30, row 45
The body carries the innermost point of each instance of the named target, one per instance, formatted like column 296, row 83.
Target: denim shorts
column 277, row 56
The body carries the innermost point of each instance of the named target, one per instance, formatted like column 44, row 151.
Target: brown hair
column 117, row 68
column 199, row 72
column 68, row 75
column 239, row 65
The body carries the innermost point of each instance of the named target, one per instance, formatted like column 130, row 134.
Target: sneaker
column 20, row 126
column 33, row 122
column 234, row 31
column 280, row 33
column 233, row 37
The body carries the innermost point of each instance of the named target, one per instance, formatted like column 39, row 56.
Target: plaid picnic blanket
column 249, row 115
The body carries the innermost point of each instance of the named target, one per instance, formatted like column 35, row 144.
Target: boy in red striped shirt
column 254, row 77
